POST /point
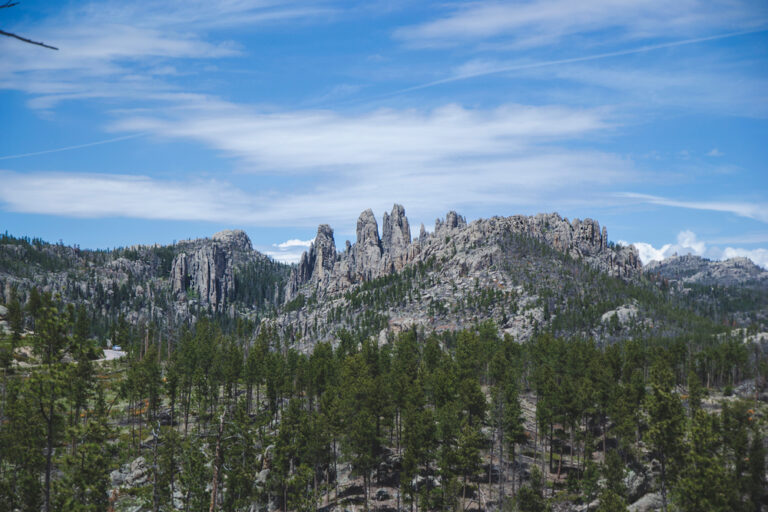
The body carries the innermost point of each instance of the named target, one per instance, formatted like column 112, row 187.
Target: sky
column 154, row 123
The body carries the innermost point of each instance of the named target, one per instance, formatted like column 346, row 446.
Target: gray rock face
column 234, row 239
column 367, row 250
column 205, row 269
column 138, row 474
column 458, row 258
column 317, row 263
column 396, row 238
column 452, row 221
column 325, row 252
column 624, row 314
column 323, row 269
column 371, row 257
column 648, row 503
column 695, row 269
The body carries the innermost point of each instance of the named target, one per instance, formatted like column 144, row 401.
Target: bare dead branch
column 4, row 33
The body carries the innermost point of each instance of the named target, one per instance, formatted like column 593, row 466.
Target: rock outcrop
column 396, row 239
column 698, row 270
column 366, row 253
column 500, row 264
column 146, row 283
column 205, row 269
column 317, row 263
column 327, row 272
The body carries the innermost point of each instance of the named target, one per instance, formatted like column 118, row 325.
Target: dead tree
column 8, row 4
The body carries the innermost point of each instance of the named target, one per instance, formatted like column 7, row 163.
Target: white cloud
column 715, row 152
column 427, row 159
column 395, row 140
column 756, row 211
column 544, row 22
column 534, row 181
column 688, row 243
column 116, row 49
column 105, row 195
column 294, row 242
column 289, row 251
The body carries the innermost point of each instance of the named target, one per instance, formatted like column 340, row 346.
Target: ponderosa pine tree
column 666, row 425
column 705, row 482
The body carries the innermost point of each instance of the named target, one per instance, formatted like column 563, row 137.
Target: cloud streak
column 404, row 140
column 70, row 148
column 476, row 70
column 105, row 195
column 756, row 211
column 546, row 22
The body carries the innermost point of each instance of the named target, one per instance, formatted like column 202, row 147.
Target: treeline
column 448, row 421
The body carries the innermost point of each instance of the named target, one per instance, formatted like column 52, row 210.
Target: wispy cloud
column 756, row 211
column 689, row 243
column 715, row 152
column 120, row 49
column 106, row 195
column 540, row 180
column 710, row 85
column 545, row 22
column 70, row 148
column 387, row 139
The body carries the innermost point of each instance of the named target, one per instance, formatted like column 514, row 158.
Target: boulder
column 138, row 473
column 648, row 503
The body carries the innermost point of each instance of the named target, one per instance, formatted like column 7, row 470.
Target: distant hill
column 526, row 274
column 160, row 284
column 695, row 269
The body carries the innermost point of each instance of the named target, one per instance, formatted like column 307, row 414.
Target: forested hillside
column 521, row 363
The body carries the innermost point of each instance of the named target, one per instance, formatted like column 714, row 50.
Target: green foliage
column 409, row 412
column 531, row 497
column 666, row 423
column 703, row 483
column 295, row 304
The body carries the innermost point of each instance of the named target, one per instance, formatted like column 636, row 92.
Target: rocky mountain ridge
column 695, row 269
column 147, row 283
column 381, row 285
column 324, row 271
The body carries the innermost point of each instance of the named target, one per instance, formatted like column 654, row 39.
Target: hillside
column 508, row 364
column 526, row 274
column 164, row 285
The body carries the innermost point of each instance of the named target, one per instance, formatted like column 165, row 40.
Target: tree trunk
column 513, row 468
column 551, row 439
column 663, row 485
column 48, row 456
column 490, row 462
column 216, row 463
column 464, row 495
column 155, row 497
column 501, row 469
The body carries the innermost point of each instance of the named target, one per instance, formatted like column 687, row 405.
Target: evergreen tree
column 704, row 482
column 360, row 442
column 85, row 481
column 666, row 423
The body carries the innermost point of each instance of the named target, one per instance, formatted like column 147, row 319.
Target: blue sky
column 151, row 124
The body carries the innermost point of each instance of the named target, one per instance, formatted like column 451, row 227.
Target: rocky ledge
column 323, row 270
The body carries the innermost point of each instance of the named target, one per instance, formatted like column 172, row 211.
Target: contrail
column 68, row 148
column 548, row 63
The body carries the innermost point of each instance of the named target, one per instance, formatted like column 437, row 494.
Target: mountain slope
column 525, row 274
column 161, row 284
